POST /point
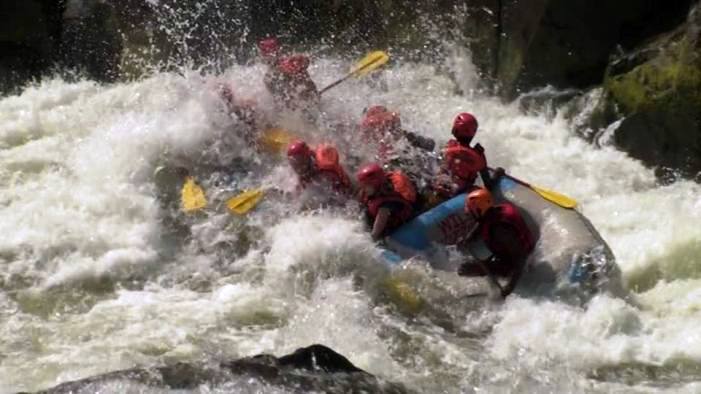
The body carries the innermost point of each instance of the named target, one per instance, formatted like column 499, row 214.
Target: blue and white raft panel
column 570, row 255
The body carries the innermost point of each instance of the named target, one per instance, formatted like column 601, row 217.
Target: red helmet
column 294, row 65
column 381, row 122
column 478, row 202
column 375, row 110
column 269, row 47
column 326, row 156
column 464, row 126
column 298, row 148
column 463, row 162
column 371, row 175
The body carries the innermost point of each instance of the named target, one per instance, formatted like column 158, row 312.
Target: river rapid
column 97, row 273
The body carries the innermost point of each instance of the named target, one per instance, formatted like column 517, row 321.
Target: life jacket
column 328, row 167
column 294, row 66
column 402, row 185
column 402, row 193
column 464, row 162
column 288, row 81
column 383, row 129
column 501, row 216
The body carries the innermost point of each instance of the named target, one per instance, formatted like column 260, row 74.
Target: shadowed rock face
column 519, row 44
column 29, row 38
column 654, row 93
column 314, row 368
column 567, row 43
column 658, row 90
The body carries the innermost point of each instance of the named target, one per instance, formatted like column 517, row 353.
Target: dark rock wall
column 517, row 46
column 567, row 43
column 29, row 37
column 657, row 91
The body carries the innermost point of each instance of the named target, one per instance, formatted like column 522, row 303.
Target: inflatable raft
column 570, row 256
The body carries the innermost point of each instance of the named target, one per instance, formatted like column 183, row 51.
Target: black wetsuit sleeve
column 487, row 179
column 419, row 141
column 506, row 235
column 512, row 257
column 392, row 206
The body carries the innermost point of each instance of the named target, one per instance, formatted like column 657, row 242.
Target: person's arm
column 508, row 235
column 419, row 141
column 514, row 278
column 470, row 267
column 381, row 220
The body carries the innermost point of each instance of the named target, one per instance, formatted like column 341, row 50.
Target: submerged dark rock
column 314, row 368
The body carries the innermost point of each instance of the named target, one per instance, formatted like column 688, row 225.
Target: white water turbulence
column 100, row 271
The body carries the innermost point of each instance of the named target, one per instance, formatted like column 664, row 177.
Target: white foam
column 77, row 203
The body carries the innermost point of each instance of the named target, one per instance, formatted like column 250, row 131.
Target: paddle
column 192, row 196
column 370, row 62
column 245, row 201
column 552, row 196
column 275, row 139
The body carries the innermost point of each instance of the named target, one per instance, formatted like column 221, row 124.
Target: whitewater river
column 97, row 274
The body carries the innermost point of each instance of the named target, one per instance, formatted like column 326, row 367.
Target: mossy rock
column 567, row 43
column 660, row 101
column 674, row 76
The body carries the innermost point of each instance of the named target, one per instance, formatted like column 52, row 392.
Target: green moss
column 671, row 79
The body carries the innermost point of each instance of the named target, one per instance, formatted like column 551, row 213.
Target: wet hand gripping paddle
column 552, row 196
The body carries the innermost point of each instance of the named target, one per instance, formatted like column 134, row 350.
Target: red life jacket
column 505, row 217
column 294, row 66
column 463, row 162
column 329, row 168
column 402, row 193
column 383, row 129
column 289, row 81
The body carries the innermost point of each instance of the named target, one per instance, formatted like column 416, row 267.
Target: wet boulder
column 564, row 43
column 29, row 33
column 316, row 368
column 656, row 90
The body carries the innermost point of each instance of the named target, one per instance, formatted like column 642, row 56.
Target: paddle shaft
column 528, row 185
column 340, row 81
column 555, row 197
column 349, row 75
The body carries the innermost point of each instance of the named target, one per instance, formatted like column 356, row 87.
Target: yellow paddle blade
column 402, row 295
column 192, row 196
column 245, row 201
column 369, row 63
column 557, row 198
column 275, row 140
